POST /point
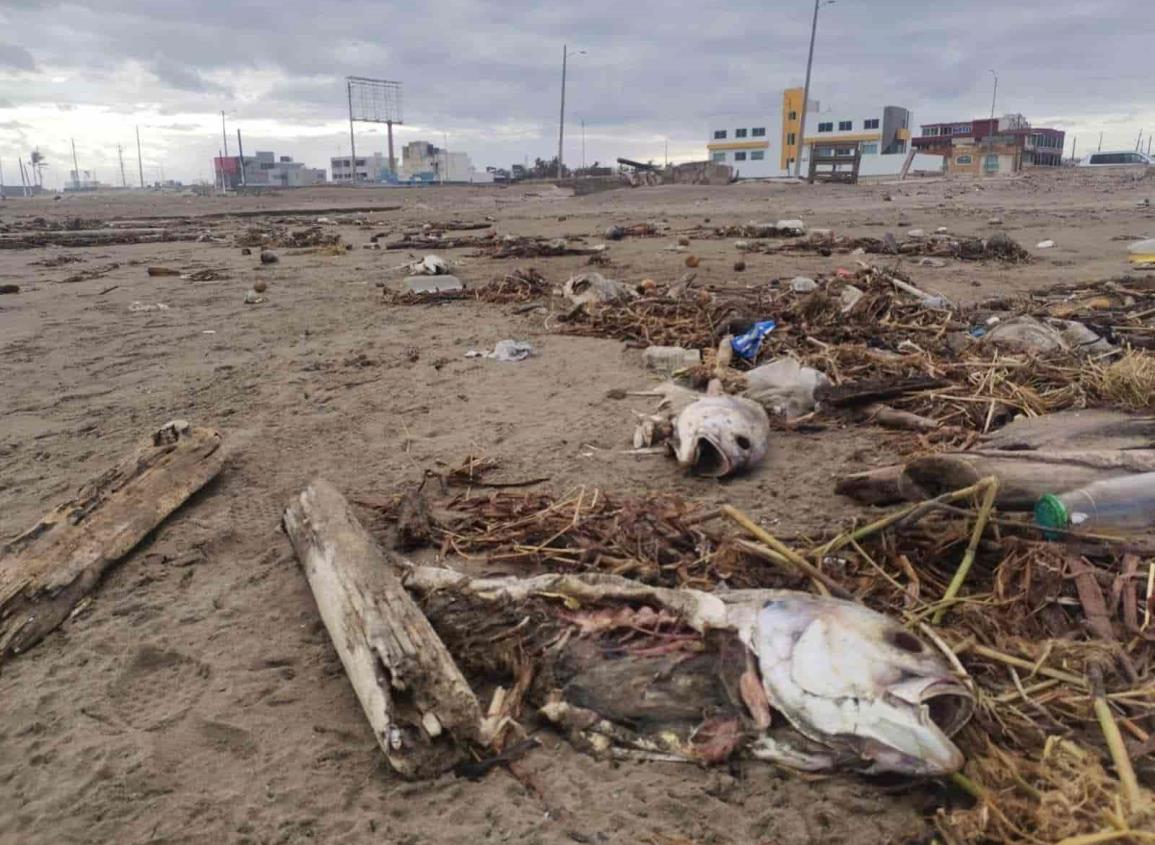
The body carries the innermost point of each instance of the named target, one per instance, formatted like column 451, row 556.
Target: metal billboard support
column 373, row 101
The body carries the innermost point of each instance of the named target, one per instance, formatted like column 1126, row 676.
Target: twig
column 992, row 485
column 823, row 582
column 1132, row 796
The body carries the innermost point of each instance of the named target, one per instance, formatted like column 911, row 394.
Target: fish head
column 717, row 436
column 857, row 681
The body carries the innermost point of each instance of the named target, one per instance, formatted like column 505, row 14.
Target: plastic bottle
column 1142, row 253
column 670, row 359
column 1127, row 502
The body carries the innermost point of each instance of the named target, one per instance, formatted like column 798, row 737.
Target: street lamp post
column 806, row 88
column 565, row 54
column 994, row 94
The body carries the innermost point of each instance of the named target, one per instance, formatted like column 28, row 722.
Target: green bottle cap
column 1051, row 513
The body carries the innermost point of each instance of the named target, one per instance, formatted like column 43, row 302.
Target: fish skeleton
column 811, row 682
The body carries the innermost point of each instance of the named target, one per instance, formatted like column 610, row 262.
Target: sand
column 196, row 698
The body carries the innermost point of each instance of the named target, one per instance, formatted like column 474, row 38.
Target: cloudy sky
column 485, row 74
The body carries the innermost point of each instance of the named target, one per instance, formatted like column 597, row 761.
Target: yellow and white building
column 766, row 146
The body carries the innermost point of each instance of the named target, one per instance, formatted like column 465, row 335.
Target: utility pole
column 352, row 141
column 583, row 143
column 75, row 166
column 806, row 89
column 1100, row 141
column 1074, row 146
column 667, row 152
column 994, row 94
column 392, row 161
column 139, row 158
column 561, row 121
column 224, row 137
column 120, row 155
column 1139, row 141
column 241, row 157
column 1148, row 149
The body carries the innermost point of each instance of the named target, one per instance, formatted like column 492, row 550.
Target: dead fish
column 595, row 289
column 719, row 435
column 859, row 684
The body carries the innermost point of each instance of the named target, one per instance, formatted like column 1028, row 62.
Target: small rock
column 821, row 235
column 916, row 234
column 615, row 233
column 268, row 257
column 739, row 266
column 260, row 286
column 801, row 284
column 432, row 284
column 253, row 298
column 246, row 251
column 995, row 221
column 683, row 241
column 790, row 227
column 941, row 230
column 692, row 261
column 931, row 262
column 887, row 198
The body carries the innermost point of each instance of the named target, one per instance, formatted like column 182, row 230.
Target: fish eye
column 905, row 641
column 743, row 442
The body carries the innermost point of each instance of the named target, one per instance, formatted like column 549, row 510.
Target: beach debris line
column 49, row 569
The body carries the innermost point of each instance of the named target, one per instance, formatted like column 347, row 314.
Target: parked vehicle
column 1116, row 159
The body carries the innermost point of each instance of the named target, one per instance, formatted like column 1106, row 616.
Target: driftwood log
column 1030, row 457
column 419, row 705
column 48, row 569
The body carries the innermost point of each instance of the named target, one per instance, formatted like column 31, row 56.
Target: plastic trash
column 1127, row 502
column 784, row 387
column 849, row 298
column 1142, row 254
column 1044, row 244
column 432, row 284
column 790, row 227
column 505, row 350
column 430, row 265
column 801, row 284
column 670, row 359
column 747, row 345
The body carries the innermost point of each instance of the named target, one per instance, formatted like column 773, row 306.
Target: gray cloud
column 488, row 71
column 16, row 57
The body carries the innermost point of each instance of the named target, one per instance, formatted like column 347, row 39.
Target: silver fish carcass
column 628, row 670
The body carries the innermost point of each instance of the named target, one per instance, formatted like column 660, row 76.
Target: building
column 423, row 162
column 994, row 155
column 420, row 162
column 373, row 168
column 265, row 169
column 1040, row 146
column 763, row 146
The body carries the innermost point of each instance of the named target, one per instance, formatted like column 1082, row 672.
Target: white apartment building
column 371, row 168
column 766, row 146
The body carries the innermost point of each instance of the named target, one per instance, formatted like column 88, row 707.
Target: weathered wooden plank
column 419, row 705
column 47, row 570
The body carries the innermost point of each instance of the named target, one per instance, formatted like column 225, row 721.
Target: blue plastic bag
column 747, row 345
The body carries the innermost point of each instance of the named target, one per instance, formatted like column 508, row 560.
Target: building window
column 791, row 138
column 739, row 156
column 719, row 157
column 961, row 129
column 991, row 164
column 757, row 155
column 844, row 151
column 792, row 116
column 826, row 127
column 871, row 123
column 962, row 160
column 931, row 131
column 739, row 133
column 870, row 149
column 845, row 125
column 719, row 134
column 758, row 131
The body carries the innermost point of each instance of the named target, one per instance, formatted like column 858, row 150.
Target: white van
column 1115, row 159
